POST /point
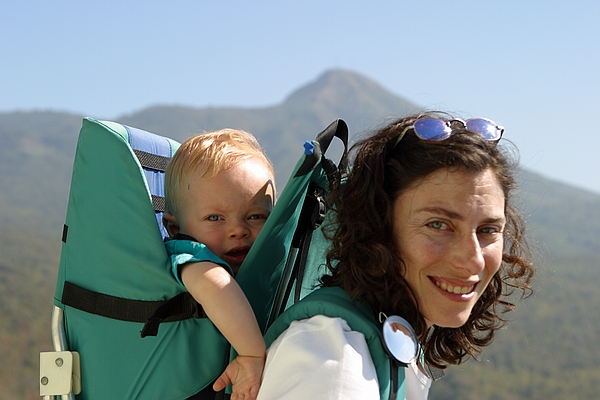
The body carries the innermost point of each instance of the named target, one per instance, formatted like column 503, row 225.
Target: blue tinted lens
column 485, row 127
column 432, row 129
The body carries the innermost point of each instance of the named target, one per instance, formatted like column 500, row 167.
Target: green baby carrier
column 122, row 327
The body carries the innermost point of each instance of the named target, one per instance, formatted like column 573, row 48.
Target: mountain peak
column 343, row 92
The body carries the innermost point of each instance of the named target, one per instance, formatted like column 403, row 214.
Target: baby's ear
column 170, row 223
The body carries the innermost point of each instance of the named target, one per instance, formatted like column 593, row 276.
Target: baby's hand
column 244, row 373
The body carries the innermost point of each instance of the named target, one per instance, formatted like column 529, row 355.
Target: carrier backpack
column 114, row 276
column 137, row 332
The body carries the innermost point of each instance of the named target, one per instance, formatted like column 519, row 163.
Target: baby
column 220, row 189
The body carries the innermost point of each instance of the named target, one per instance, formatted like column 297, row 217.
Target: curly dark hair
column 364, row 258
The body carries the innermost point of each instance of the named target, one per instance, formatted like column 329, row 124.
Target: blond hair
column 204, row 155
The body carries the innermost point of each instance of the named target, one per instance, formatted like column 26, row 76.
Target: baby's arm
column 228, row 308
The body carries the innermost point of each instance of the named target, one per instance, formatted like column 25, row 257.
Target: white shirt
column 322, row 358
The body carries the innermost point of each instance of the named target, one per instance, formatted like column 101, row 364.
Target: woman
column 425, row 230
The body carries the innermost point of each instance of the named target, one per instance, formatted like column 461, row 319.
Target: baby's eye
column 212, row 218
column 257, row 216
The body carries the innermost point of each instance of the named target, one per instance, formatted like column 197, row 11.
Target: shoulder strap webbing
column 151, row 313
column 334, row 302
column 153, row 156
column 154, row 162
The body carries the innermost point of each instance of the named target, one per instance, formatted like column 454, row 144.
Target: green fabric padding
column 262, row 270
column 114, row 247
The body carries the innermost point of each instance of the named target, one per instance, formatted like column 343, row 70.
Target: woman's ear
column 170, row 223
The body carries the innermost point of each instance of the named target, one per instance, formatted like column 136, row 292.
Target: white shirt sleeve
column 319, row 358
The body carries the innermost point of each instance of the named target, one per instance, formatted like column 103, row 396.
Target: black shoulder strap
column 151, row 313
column 153, row 162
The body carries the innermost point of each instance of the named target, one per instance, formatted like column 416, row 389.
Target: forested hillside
column 28, row 266
column 547, row 352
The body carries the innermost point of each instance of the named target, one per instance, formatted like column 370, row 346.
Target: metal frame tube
column 59, row 342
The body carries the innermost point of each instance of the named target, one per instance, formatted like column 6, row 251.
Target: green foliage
column 28, row 268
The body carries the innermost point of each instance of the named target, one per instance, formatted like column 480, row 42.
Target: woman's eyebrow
column 444, row 211
column 454, row 215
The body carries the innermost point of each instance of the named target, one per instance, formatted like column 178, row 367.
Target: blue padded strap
column 144, row 143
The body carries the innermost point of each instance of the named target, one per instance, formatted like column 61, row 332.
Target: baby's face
column 227, row 212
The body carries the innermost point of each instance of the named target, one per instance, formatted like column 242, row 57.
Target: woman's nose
column 468, row 254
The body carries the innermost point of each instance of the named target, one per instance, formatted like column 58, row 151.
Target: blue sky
column 532, row 66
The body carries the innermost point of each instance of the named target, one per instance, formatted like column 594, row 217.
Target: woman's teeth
column 455, row 289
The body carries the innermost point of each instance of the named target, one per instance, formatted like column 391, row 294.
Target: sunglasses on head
column 430, row 128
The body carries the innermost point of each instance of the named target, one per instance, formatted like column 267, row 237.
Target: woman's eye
column 438, row 225
column 490, row 230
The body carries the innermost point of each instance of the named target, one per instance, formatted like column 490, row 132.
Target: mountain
column 28, row 267
column 548, row 341
column 38, row 147
column 36, row 157
column 282, row 129
column 565, row 217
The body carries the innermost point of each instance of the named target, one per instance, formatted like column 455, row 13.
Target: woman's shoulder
column 331, row 302
column 316, row 356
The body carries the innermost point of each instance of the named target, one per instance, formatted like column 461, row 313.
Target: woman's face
column 448, row 229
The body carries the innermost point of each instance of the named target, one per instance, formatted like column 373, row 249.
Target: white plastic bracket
column 60, row 373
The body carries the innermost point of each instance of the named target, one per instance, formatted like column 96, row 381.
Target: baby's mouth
column 238, row 252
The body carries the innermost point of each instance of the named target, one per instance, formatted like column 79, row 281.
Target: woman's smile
column 454, row 289
column 448, row 230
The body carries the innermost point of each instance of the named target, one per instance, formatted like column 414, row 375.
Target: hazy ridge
column 544, row 354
